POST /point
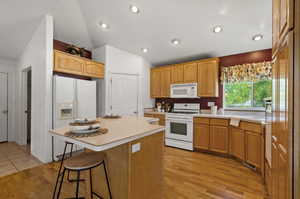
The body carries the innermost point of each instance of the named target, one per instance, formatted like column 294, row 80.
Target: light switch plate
column 135, row 147
column 210, row 104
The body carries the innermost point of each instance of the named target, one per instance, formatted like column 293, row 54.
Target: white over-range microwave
column 184, row 90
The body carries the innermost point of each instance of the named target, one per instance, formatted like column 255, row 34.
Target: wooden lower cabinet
column 215, row 134
column 274, row 170
column 237, row 143
column 218, row 140
column 282, row 176
column 253, row 148
column 161, row 118
column 201, row 136
column 268, row 178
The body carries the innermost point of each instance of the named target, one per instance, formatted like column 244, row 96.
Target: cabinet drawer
column 201, row 120
column 219, row 122
column 254, row 127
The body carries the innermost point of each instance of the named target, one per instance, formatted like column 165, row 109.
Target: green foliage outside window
column 247, row 94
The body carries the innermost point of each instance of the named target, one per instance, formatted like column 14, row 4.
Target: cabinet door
column 275, row 27
column 274, row 170
column 208, row 78
column 253, row 148
column 237, row 143
column 286, row 16
column 165, row 81
column 177, row 74
column 155, row 83
column 68, row 64
column 190, row 72
column 94, row 69
column 282, row 176
column 201, row 136
column 218, row 139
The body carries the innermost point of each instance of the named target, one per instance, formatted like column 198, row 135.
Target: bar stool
column 61, row 164
column 84, row 162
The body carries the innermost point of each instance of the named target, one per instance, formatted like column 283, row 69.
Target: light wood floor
column 14, row 158
column 187, row 175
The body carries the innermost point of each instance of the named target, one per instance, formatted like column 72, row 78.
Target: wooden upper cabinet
column 190, row 74
column 283, row 21
column 237, row 143
column 275, row 27
column 94, row 69
column 286, row 19
column 165, row 79
column 71, row 64
column 177, row 74
column 201, row 136
column 218, row 140
column 208, row 78
column 155, row 83
column 66, row 63
column 253, row 148
column 160, row 82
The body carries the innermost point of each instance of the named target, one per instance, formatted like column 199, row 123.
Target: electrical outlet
column 210, row 104
column 135, row 147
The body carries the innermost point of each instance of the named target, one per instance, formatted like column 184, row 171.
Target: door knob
column 5, row 112
column 26, row 111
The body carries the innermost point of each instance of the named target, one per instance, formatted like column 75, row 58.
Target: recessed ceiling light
column 144, row 50
column 134, row 9
column 175, row 42
column 257, row 37
column 103, row 25
column 217, row 29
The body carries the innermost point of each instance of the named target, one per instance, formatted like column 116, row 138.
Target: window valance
column 247, row 72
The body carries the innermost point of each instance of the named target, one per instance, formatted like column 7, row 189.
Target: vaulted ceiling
column 159, row 21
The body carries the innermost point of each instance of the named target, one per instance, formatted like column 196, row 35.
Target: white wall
column 9, row 66
column 38, row 55
column 119, row 61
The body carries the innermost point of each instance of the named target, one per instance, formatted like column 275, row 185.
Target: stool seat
column 84, row 161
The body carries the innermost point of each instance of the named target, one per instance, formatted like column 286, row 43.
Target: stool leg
column 78, row 180
column 107, row 181
column 71, row 153
column 61, row 182
column 91, row 184
column 61, row 163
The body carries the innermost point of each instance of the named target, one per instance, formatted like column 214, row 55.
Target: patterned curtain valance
column 247, row 72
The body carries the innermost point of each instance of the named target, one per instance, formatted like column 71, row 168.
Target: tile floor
column 14, row 158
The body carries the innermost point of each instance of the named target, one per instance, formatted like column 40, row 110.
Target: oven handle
column 180, row 120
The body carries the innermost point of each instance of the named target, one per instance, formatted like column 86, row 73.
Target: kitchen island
column 134, row 152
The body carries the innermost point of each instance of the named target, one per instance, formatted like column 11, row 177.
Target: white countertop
column 258, row 117
column 120, row 131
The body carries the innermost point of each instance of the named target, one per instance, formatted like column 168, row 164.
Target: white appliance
column 72, row 98
column 184, row 90
column 179, row 125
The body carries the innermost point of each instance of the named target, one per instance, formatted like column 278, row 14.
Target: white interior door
column 3, row 107
column 124, row 94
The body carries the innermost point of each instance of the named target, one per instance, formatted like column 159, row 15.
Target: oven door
column 179, row 129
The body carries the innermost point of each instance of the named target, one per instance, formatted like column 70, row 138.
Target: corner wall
column 38, row 55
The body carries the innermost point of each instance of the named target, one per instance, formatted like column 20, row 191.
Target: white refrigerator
column 72, row 98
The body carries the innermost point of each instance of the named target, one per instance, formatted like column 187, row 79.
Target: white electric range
column 179, row 125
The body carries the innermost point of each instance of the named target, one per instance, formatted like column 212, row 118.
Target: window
column 247, row 95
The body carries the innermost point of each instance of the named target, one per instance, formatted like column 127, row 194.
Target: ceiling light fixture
column 144, row 50
column 217, row 29
column 257, row 37
column 175, row 42
column 134, row 9
column 103, row 25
